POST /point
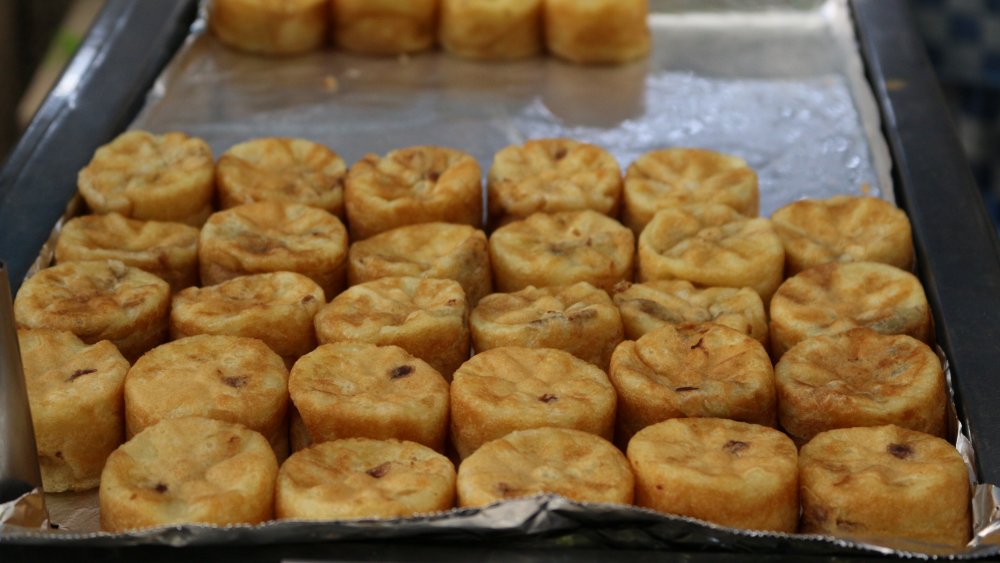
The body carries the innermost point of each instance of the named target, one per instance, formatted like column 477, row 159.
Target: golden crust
column 189, row 470
column 151, row 177
column 884, row 482
column 384, row 27
column 491, row 30
column 364, row 478
column 597, row 31
column 272, row 27
column 731, row 473
column 570, row 463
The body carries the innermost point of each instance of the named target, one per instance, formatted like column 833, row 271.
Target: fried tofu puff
column 550, row 175
column 413, row 185
column 712, row 246
column 490, row 29
column 384, row 27
column 151, row 177
column 270, row 27
column 562, row 249
column 674, row 177
column 597, row 31
column 282, row 169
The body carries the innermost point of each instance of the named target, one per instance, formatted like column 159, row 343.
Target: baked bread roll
column 428, row 318
column 384, row 27
column 151, row 177
column 860, row 378
column 646, row 307
column 75, row 395
column 282, row 169
column 277, row 308
column 570, row 463
column 271, row 236
column 167, row 250
column 413, row 185
column 669, row 178
column 562, row 249
column 364, row 478
column 836, row 297
column 189, row 470
column 550, row 175
column 97, row 300
column 229, row 378
column 712, row 246
column 730, row 473
column 597, row 31
column 270, row 27
column 491, row 30
column 692, row 370
column 843, row 229
column 427, row 250
column 579, row 319
column 506, row 389
column 884, row 482
column 359, row 390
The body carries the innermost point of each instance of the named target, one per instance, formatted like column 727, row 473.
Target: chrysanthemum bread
column 144, row 176
column 572, row 463
column 860, row 378
column 225, row 377
column 562, row 249
column 843, row 229
column 884, row 482
column 579, row 319
column 597, row 31
column 692, row 370
column 282, row 169
column 384, row 27
column 428, row 318
column 413, row 185
column 712, row 245
column 491, row 29
column 189, row 470
column 271, row 27
column 511, row 388
column 97, row 300
column 364, row 478
column 75, row 395
column 272, row 236
column 359, row 390
column 277, row 308
column 550, row 175
column 648, row 306
column 836, row 297
column 427, row 250
column 674, row 177
column 168, row 250
column 731, row 473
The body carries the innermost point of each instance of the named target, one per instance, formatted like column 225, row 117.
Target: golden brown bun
column 570, row 463
column 151, row 177
column 270, row 27
column 491, row 29
column 597, row 31
column 189, row 470
column 884, row 482
column 731, row 473
column 384, row 27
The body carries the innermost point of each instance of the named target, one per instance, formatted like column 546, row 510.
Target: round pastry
column 570, row 463
column 75, row 395
column 364, row 478
column 731, row 473
column 97, row 300
column 843, row 229
column 884, row 482
column 271, row 236
column 270, row 27
column 597, row 31
column 427, row 250
column 506, row 389
column 836, row 297
column 359, row 390
column 674, row 177
column 579, row 319
column 282, row 169
column 384, row 27
column 167, row 177
column 189, row 470
column 562, row 249
column 428, row 318
column 491, row 30
column 550, row 175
